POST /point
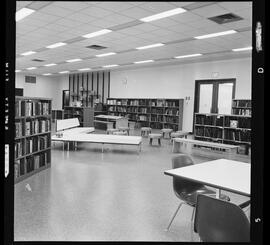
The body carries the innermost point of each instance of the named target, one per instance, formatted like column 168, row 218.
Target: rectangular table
column 102, row 139
column 116, row 120
column 185, row 146
column 222, row 174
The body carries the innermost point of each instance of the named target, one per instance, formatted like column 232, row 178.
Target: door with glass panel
column 214, row 96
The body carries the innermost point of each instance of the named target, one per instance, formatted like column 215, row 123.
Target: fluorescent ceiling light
column 151, row 46
column 107, row 66
column 22, row 13
column 17, row 70
column 216, row 34
column 73, row 60
column 143, row 61
column 97, row 33
column 187, row 56
column 31, row 68
column 84, row 69
column 64, row 72
column 52, row 64
column 107, row 54
column 47, row 74
column 28, row 53
column 241, row 49
column 56, row 45
column 163, row 14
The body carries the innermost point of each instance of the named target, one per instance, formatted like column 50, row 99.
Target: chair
column 187, row 190
column 219, row 221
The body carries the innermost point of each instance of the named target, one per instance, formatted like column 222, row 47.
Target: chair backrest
column 67, row 123
column 179, row 184
column 220, row 221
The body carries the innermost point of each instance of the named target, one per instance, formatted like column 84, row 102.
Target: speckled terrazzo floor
column 119, row 195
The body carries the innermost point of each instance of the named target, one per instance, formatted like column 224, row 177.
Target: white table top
column 214, row 144
column 223, row 174
column 101, row 138
column 79, row 130
column 108, row 117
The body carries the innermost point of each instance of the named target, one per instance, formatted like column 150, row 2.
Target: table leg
column 102, row 148
column 218, row 192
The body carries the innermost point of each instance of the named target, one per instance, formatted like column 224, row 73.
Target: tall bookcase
column 32, row 136
column 154, row 113
column 241, row 107
column 232, row 128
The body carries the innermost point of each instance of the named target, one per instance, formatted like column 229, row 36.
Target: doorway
column 214, row 96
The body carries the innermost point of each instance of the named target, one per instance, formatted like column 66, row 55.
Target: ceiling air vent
column 38, row 60
column 30, row 79
column 225, row 18
column 96, row 47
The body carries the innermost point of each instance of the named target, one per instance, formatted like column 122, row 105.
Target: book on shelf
column 22, row 169
column 27, row 128
column 36, row 161
column 18, row 108
column 18, row 149
column 29, row 146
column 18, row 129
column 17, row 169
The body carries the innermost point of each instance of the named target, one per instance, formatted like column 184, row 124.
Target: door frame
column 215, row 98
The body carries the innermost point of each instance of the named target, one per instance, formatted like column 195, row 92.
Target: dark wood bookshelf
column 33, row 115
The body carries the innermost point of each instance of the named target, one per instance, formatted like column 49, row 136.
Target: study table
column 101, row 138
column 111, row 121
column 222, row 174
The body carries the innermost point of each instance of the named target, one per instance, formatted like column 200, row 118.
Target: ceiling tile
column 96, row 12
column 186, row 17
column 210, row 11
column 55, row 10
column 157, row 7
column 136, row 12
column 233, row 6
column 115, row 6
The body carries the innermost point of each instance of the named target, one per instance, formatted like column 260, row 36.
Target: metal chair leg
column 174, row 215
column 191, row 224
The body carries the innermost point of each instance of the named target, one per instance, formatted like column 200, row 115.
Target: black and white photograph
column 135, row 121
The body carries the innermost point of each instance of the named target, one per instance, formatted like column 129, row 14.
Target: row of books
column 157, row 118
column 241, row 103
column 242, row 122
column 213, row 132
column 23, row 166
column 31, row 108
column 173, row 112
column 157, row 110
column 37, row 126
column 209, row 120
column 243, row 112
column 36, row 144
column 171, row 120
column 209, row 132
column 141, row 102
column 237, row 135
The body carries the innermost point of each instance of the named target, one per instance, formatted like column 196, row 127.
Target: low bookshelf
column 224, row 128
column 32, row 146
column 155, row 113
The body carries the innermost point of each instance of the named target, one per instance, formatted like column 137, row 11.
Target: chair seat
column 145, row 129
column 120, row 133
column 155, row 136
column 191, row 196
column 166, row 130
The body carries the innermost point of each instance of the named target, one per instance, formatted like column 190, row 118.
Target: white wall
column 48, row 87
column 178, row 81
column 174, row 81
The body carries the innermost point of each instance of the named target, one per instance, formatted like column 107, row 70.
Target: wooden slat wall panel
column 98, row 81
